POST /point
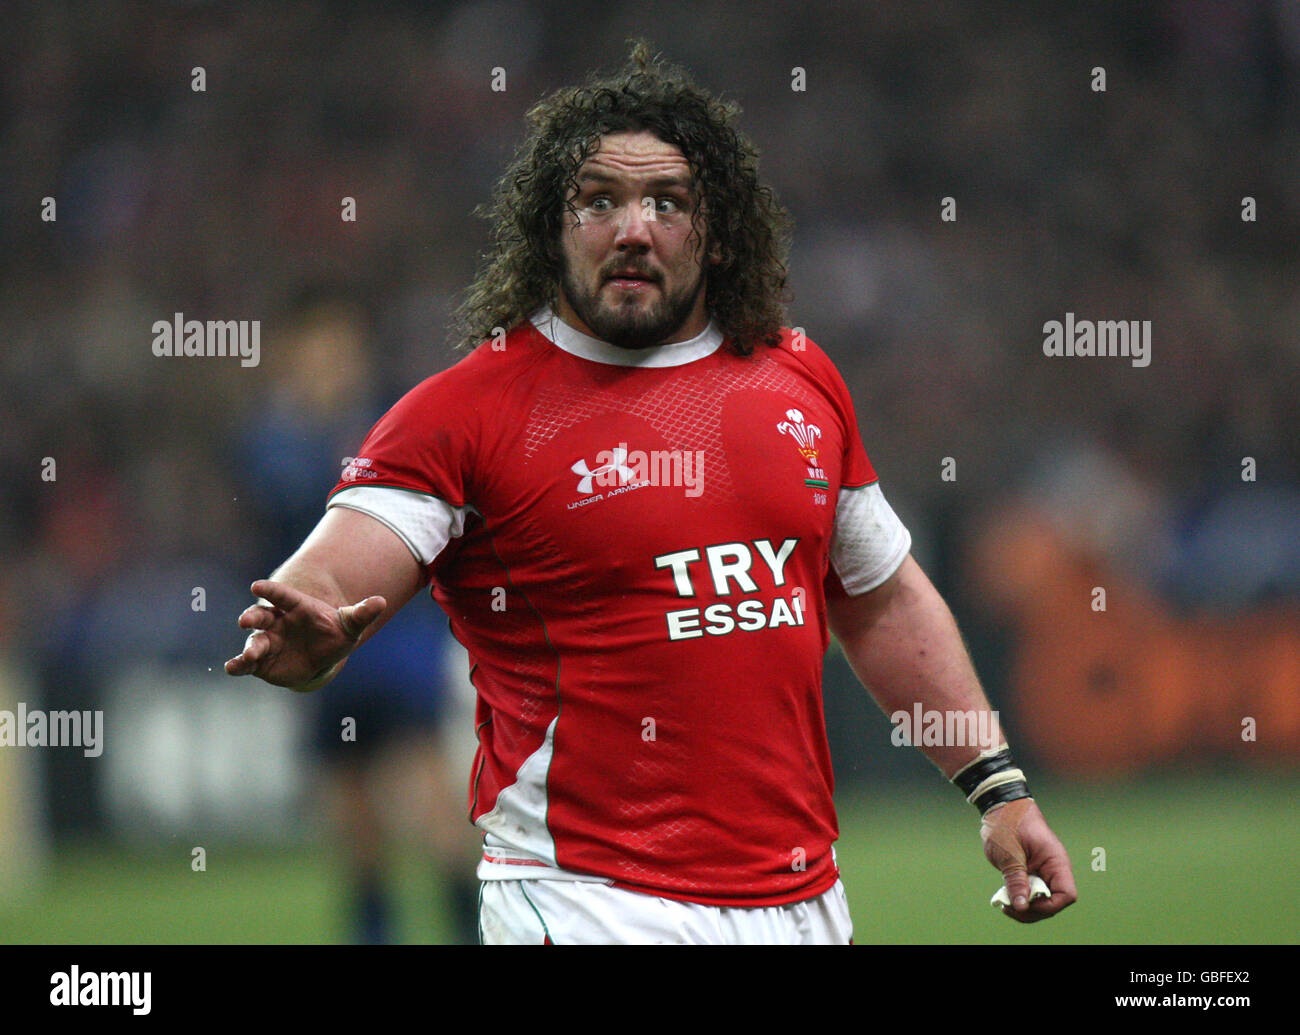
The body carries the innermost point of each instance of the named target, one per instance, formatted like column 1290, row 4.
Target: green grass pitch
column 1210, row 861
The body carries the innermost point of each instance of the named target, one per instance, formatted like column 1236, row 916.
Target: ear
column 715, row 253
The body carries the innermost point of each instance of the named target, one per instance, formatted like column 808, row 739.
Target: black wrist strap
column 991, row 779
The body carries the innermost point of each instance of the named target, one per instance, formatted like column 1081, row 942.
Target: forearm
column 312, row 576
column 903, row 643
column 348, row 557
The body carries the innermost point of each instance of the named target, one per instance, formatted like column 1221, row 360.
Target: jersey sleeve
column 412, row 472
column 869, row 542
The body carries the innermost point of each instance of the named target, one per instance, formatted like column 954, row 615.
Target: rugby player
column 644, row 504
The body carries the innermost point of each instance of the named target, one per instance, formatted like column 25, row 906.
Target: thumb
column 356, row 618
column 1017, row 882
column 1000, row 832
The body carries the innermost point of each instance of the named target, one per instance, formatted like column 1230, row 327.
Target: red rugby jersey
column 635, row 549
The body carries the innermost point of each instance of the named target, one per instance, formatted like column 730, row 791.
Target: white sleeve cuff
column 424, row 523
column 870, row 542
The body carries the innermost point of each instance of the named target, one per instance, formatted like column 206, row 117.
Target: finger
column 279, row 594
column 1042, row 908
column 256, row 646
column 238, row 666
column 1031, row 914
column 356, row 618
column 1026, row 916
column 1059, row 876
column 1060, row 885
column 1061, row 881
column 257, row 617
column 245, row 662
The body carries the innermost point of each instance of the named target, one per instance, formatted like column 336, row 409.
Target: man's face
column 633, row 211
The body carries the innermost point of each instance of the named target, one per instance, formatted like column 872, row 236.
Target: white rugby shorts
column 574, row 912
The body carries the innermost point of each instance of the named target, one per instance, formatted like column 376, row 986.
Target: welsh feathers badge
column 805, row 436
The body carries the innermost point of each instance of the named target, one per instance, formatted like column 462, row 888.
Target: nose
column 633, row 227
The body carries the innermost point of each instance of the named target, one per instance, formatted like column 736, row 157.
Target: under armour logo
column 617, row 465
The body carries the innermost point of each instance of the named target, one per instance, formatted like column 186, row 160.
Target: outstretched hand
column 1018, row 841
column 299, row 641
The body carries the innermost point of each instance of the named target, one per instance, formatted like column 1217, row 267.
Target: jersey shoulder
column 803, row 356
column 433, row 439
column 797, row 349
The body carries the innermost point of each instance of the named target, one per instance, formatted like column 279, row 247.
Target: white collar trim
column 584, row 346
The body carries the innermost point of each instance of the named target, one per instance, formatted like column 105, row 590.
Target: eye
column 667, row 205
column 600, row 204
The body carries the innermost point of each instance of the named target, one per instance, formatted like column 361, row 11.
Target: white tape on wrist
column 996, row 780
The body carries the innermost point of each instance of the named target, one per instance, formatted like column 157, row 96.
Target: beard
column 631, row 323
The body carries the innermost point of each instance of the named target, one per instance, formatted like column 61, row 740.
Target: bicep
column 850, row 616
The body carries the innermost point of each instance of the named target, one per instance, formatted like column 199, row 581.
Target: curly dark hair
column 745, row 292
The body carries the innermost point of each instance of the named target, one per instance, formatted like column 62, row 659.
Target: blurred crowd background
column 1066, row 474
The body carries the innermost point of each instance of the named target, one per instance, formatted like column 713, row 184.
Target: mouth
column 630, row 280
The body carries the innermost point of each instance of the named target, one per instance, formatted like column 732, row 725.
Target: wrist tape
column 991, row 778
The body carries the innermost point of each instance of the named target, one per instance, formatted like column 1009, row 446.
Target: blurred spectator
column 376, row 725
